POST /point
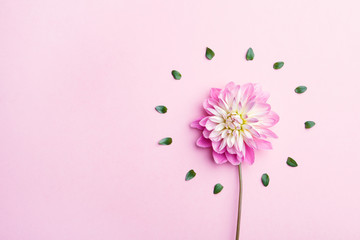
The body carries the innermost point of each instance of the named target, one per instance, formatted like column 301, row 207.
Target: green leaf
column 309, row 124
column 176, row 74
column 209, row 53
column 161, row 109
column 250, row 54
column 217, row 188
column 190, row 175
column 300, row 89
column 165, row 141
column 265, row 179
column 278, row 65
column 291, row 162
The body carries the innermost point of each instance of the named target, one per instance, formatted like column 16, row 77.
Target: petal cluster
column 237, row 122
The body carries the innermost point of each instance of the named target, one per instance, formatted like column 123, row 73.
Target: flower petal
column 232, row 158
column 239, row 143
column 195, row 124
column 261, row 96
column 259, row 109
column 212, row 111
column 262, row 144
column 212, row 102
column 216, row 146
column 254, row 133
column 203, row 142
column 214, row 134
column 219, row 158
column 231, row 85
column 216, row 119
column 206, row 133
column 247, row 107
column 203, row 121
column 223, row 144
column 231, row 140
column 268, row 120
column 265, row 133
column 214, row 93
column 252, row 120
column 231, row 150
column 206, row 104
column 221, row 111
column 240, row 157
column 224, row 105
column 245, row 92
column 249, row 155
column 210, row 125
column 274, row 116
column 219, row 127
column 235, row 106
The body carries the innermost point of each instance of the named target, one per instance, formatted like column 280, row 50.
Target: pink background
column 79, row 81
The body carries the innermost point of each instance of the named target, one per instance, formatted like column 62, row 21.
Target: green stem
column 239, row 206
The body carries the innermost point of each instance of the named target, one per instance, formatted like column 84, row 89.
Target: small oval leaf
column 265, row 179
column 176, row 74
column 291, row 162
column 278, row 65
column 190, row 175
column 165, row 141
column 161, row 109
column 250, row 54
column 217, row 188
column 300, row 89
column 309, row 124
column 209, row 53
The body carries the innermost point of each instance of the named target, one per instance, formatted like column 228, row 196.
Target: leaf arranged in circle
column 300, row 89
column 217, row 188
column 209, row 53
column 161, row 109
column 278, row 65
column 250, row 54
column 165, row 141
column 291, row 162
column 309, row 124
column 190, row 175
column 176, row 74
column 265, row 179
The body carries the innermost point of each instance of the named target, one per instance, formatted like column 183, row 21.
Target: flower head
column 237, row 122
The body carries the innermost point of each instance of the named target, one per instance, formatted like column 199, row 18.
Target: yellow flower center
column 235, row 121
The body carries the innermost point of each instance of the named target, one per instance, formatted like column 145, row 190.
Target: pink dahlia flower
column 237, row 122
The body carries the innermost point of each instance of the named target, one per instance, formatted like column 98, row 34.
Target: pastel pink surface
column 79, row 81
